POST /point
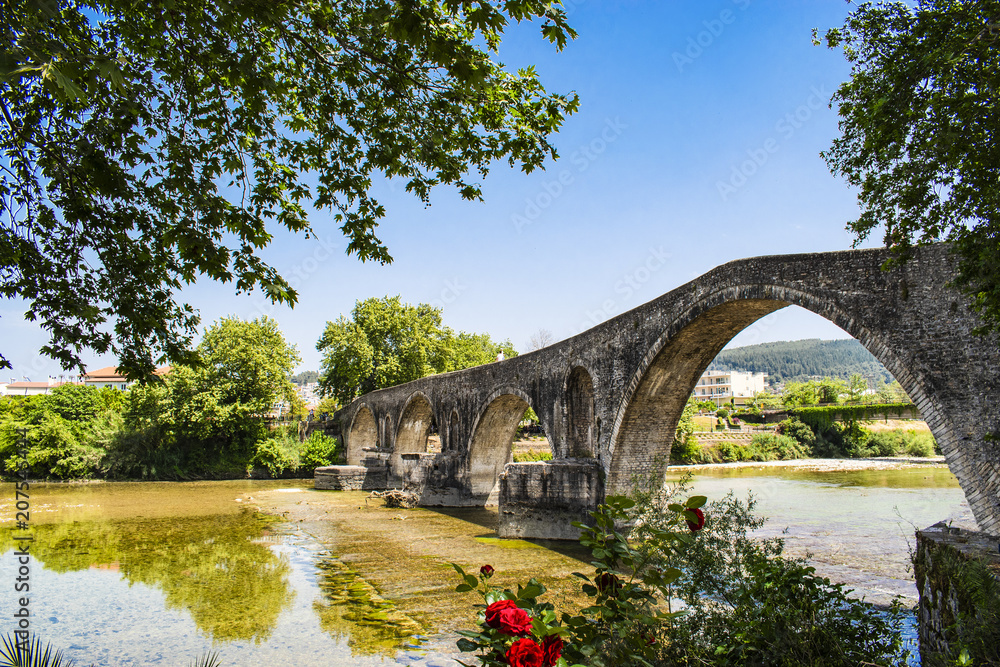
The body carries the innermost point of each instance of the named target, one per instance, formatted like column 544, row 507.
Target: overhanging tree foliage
column 919, row 125
column 147, row 145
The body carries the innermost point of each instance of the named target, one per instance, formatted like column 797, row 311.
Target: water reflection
column 214, row 567
column 353, row 611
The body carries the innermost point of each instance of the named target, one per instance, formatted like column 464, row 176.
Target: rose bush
column 618, row 629
column 508, row 618
column 698, row 522
column 525, row 652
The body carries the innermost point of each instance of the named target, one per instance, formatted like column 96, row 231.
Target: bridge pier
column 542, row 499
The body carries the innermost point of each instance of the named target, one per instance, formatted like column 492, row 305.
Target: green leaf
column 695, row 502
column 464, row 588
column 466, row 646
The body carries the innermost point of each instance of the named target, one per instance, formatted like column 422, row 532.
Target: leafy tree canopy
column 387, row 342
column 919, row 120
column 147, row 145
column 220, row 405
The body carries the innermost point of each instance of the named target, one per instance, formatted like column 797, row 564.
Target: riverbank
column 829, row 465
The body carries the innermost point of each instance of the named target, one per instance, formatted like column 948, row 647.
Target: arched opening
column 490, row 449
column 387, row 439
column 580, row 427
column 414, row 426
column 647, row 428
column 644, row 433
column 452, row 442
column 364, row 434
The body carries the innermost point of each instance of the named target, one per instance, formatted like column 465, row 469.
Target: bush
column 318, row 450
column 920, row 444
column 886, row 443
column 748, row 605
column 687, row 451
column 770, row 447
column 730, row 452
column 527, row 456
column 798, row 430
column 277, row 453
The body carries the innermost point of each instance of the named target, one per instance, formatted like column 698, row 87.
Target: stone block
column 542, row 499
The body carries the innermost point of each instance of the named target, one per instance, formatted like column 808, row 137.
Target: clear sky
column 697, row 142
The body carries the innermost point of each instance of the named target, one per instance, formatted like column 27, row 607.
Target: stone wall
column 941, row 553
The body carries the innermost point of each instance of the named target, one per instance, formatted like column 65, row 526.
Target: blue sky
column 697, row 142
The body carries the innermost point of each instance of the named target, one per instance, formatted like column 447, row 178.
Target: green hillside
column 799, row 360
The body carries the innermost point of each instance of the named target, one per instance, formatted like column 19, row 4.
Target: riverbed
column 276, row 572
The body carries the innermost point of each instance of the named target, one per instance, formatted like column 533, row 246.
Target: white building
column 729, row 387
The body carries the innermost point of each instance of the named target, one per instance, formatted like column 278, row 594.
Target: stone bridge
column 609, row 398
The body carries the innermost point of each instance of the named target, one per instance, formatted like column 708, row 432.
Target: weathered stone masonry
column 609, row 398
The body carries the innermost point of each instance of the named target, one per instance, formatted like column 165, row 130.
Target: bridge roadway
column 610, row 397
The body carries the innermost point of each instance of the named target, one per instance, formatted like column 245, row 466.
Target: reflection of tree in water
column 352, row 610
column 214, row 567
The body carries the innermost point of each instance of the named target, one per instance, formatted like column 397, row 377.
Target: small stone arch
column 454, row 429
column 387, row 439
column 363, row 434
column 414, row 425
column 581, row 427
column 492, row 436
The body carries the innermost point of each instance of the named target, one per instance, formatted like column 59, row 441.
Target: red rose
column 607, row 583
column 552, row 647
column 695, row 526
column 508, row 618
column 486, row 571
column 525, row 653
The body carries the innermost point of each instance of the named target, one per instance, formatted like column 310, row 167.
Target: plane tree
column 145, row 146
column 919, row 120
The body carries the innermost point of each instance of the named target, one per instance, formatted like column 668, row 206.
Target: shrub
column 748, row 605
column 798, row 430
column 730, row 452
column 527, row 456
column 318, row 450
column 885, row 443
column 277, row 453
column 687, row 451
column 920, row 444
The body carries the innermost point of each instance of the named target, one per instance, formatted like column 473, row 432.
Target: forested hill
column 798, row 360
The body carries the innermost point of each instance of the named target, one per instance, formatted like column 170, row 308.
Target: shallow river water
column 160, row 573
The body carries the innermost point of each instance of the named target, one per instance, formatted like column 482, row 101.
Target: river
column 161, row 573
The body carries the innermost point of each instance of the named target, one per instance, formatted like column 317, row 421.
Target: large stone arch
column 492, row 436
column 414, row 425
column 363, row 434
column 645, row 424
column 581, row 420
